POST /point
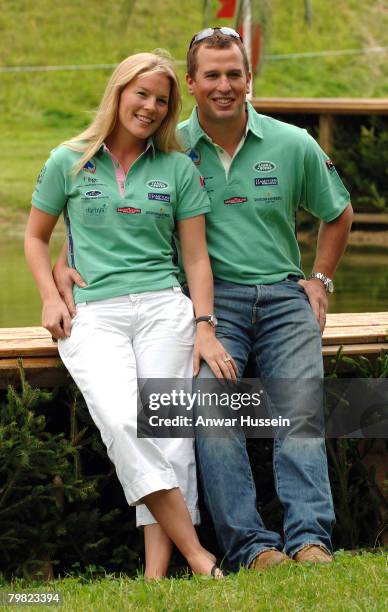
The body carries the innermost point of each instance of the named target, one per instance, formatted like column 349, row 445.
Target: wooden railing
column 358, row 334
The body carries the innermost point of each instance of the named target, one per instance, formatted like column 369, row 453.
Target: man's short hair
column 215, row 41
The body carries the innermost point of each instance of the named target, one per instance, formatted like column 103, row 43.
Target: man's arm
column 332, row 240
column 65, row 278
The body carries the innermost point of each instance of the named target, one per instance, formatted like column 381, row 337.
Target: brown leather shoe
column 267, row 559
column 313, row 554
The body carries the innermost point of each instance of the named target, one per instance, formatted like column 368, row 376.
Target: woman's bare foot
column 203, row 563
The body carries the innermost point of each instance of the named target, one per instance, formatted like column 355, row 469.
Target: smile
column 223, row 101
column 143, row 119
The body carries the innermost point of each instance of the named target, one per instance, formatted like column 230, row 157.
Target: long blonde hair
column 90, row 140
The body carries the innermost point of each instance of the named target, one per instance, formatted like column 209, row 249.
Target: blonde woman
column 123, row 188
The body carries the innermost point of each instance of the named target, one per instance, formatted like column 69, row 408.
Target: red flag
column 227, row 9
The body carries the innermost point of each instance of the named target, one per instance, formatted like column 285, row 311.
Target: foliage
column 362, row 155
column 51, row 506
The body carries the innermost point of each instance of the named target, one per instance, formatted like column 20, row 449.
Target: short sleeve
column 50, row 191
column 323, row 194
column 192, row 198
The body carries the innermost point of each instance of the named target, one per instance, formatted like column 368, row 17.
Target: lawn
column 354, row 582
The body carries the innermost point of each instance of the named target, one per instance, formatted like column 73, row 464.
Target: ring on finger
column 227, row 358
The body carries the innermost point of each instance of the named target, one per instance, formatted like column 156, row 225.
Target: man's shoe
column 267, row 559
column 313, row 554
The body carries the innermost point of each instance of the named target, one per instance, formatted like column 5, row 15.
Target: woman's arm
column 55, row 315
column 200, row 280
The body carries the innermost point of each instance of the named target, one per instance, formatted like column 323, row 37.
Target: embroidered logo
column 329, row 165
column 160, row 197
column 90, row 166
column 202, row 181
column 235, row 200
column 94, row 193
column 129, row 210
column 264, row 166
column 41, row 174
column 194, row 155
column 156, row 184
column 264, row 182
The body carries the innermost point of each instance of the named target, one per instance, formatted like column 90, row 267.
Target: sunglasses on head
column 207, row 32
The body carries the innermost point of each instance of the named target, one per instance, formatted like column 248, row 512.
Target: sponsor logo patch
column 202, row 181
column 264, row 166
column 96, row 210
column 264, row 182
column 129, row 210
column 160, row 197
column 194, row 155
column 156, row 184
column 93, row 193
column 235, row 200
column 41, row 174
column 329, row 165
column 90, row 166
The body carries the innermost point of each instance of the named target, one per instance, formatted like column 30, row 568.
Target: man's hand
column 210, row 349
column 65, row 278
column 316, row 293
column 56, row 318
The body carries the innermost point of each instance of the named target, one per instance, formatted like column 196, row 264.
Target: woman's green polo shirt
column 121, row 244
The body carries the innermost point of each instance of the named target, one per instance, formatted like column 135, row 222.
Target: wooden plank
column 355, row 349
column 318, row 106
column 326, row 130
column 350, row 319
column 370, row 218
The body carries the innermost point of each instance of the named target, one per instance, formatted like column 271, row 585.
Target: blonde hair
column 159, row 61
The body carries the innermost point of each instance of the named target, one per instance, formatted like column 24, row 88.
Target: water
column 361, row 283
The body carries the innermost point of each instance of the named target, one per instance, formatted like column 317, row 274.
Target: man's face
column 220, row 84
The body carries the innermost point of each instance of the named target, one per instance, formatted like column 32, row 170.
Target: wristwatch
column 329, row 285
column 211, row 319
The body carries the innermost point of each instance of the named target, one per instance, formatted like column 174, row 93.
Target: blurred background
column 55, row 59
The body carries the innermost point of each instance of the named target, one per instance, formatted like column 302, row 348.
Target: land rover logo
column 93, row 194
column 157, row 184
column 264, row 166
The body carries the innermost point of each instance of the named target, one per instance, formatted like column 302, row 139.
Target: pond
column 361, row 283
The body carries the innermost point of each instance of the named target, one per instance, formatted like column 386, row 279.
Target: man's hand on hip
column 65, row 278
column 316, row 293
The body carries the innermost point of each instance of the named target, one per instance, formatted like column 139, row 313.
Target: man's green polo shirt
column 121, row 244
column 251, row 227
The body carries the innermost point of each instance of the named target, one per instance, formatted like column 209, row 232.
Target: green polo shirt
column 251, row 227
column 121, row 244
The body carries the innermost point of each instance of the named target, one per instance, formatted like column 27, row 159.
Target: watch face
column 213, row 320
column 330, row 286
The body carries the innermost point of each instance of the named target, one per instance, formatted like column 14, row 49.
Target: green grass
column 352, row 583
column 39, row 110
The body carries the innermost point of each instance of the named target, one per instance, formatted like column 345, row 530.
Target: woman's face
column 143, row 105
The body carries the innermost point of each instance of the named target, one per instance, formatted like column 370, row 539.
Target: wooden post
column 326, row 131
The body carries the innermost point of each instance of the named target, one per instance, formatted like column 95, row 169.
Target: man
column 257, row 172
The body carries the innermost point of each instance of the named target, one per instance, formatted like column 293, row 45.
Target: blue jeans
column 276, row 326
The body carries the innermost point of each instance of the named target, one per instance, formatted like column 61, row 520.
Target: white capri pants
column 113, row 343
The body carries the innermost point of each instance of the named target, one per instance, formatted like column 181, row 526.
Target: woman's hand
column 56, row 318
column 210, row 349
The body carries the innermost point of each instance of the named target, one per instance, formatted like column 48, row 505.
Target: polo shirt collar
column 196, row 132
column 150, row 147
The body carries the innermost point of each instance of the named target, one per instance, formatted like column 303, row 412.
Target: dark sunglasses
column 207, row 32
